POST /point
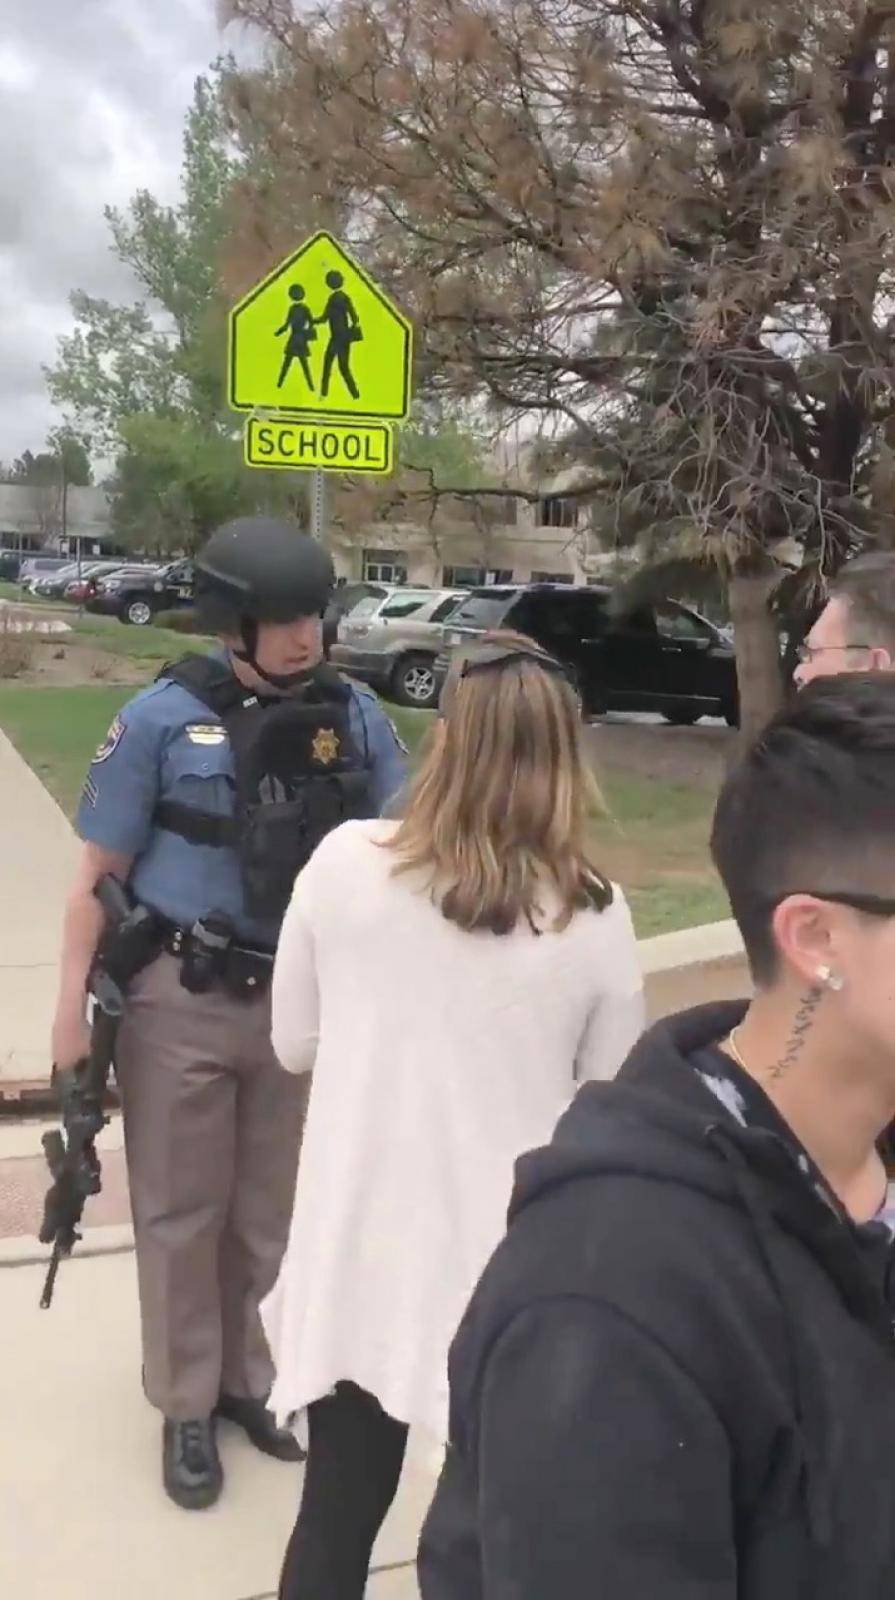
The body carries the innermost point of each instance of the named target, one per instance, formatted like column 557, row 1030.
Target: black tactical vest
column 298, row 775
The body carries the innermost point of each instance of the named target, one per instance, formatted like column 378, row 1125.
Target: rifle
column 131, row 940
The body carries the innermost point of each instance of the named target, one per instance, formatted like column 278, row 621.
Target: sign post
column 318, row 506
column 321, row 359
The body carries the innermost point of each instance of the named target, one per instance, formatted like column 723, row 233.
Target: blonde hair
column 500, row 805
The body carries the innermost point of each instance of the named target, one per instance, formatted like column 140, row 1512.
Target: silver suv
column 391, row 642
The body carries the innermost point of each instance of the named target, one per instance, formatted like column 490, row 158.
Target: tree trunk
column 759, row 675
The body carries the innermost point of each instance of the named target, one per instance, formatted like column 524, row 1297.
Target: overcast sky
column 92, row 97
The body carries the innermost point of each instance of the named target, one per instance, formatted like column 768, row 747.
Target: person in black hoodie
column 676, row 1380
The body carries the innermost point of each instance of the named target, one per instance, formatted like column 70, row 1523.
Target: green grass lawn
column 57, row 730
column 11, row 591
column 107, row 633
column 137, row 644
column 654, row 840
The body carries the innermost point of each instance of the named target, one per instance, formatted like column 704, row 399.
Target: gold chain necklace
column 735, row 1050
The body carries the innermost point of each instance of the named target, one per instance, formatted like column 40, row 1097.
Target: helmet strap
column 277, row 680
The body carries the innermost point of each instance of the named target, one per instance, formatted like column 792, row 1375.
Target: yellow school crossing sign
column 318, row 338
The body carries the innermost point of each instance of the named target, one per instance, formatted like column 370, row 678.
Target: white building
column 32, row 517
column 539, row 535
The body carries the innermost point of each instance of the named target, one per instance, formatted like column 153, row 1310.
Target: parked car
column 345, row 598
column 54, row 586
column 79, row 590
column 665, row 657
column 136, row 594
column 392, row 642
column 44, row 584
column 34, row 568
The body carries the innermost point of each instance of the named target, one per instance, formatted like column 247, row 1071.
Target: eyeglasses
column 875, row 905
column 807, row 652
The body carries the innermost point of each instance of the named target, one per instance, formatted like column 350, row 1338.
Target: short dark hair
column 867, row 585
column 811, row 806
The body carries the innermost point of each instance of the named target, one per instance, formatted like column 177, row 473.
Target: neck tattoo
column 801, row 1027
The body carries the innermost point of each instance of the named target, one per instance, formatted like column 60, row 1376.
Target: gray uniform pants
column 212, row 1129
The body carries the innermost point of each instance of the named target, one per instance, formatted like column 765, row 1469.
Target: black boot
column 261, row 1427
column 192, row 1466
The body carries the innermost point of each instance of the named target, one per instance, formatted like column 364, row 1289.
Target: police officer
column 208, row 794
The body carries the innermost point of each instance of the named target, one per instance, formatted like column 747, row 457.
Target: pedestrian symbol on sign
column 300, row 327
column 344, row 331
column 318, row 337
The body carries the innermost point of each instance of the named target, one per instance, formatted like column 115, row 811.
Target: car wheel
column 139, row 612
column 414, row 682
column 682, row 716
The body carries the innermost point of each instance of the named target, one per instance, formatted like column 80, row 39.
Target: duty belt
column 244, row 970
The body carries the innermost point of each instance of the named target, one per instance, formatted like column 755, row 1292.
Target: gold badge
column 325, row 748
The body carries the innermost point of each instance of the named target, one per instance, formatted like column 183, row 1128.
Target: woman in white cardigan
column 450, row 978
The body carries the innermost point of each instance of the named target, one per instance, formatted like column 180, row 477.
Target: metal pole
column 318, row 505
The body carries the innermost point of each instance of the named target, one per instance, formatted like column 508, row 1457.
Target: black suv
column 661, row 657
column 136, row 596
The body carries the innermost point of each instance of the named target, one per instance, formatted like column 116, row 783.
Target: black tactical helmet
column 258, row 569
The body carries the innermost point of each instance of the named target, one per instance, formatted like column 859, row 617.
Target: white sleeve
column 295, row 1003
column 617, row 1017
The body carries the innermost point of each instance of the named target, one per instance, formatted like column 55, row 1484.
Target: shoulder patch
column 111, row 741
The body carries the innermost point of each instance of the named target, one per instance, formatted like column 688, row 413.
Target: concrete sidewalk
column 82, row 1512
column 36, row 866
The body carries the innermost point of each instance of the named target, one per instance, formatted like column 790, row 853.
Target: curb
column 690, row 947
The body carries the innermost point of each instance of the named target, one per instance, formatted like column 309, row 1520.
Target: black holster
column 204, row 953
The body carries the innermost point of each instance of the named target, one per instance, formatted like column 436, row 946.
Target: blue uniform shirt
column 166, row 745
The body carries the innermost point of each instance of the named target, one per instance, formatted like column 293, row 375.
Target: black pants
column 355, row 1456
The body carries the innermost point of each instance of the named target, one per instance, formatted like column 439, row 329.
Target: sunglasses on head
column 490, row 656
column 493, row 657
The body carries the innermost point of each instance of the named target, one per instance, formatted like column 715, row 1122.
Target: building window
column 474, row 577
column 510, row 516
column 385, row 566
column 555, row 512
column 551, row 577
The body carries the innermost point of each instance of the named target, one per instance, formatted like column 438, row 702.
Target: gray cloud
column 92, row 98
